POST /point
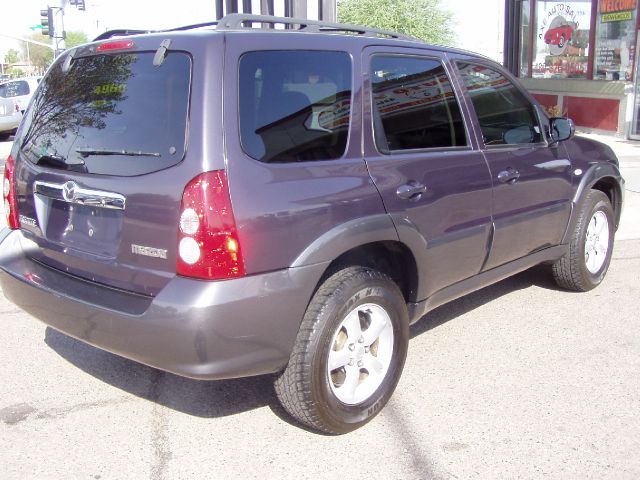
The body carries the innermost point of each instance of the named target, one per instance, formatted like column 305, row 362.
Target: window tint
column 14, row 89
column 505, row 115
column 414, row 104
column 294, row 105
column 111, row 114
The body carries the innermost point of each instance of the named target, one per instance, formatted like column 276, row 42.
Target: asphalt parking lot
column 518, row 380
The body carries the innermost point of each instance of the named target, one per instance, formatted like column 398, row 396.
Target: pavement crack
column 161, row 452
column 423, row 465
column 16, row 413
column 21, row 412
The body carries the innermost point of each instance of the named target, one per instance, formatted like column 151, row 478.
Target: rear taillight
column 208, row 245
column 9, row 194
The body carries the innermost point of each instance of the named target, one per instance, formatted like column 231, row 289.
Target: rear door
column 433, row 180
column 99, row 186
column 532, row 193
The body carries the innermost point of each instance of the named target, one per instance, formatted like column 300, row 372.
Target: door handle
column 411, row 191
column 509, row 176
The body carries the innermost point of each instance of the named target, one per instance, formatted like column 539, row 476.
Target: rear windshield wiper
column 56, row 161
column 85, row 152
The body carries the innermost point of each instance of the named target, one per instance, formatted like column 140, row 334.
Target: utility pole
column 60, row 45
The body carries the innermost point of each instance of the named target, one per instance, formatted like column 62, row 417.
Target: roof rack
column 235, row 21
column 240, row 20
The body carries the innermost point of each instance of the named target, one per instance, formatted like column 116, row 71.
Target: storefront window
column 561, row 41
column 615, row 40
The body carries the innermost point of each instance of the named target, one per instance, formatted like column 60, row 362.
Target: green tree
column 423, row 19
column 40, row 56
column 75, row 38
column 11, row 56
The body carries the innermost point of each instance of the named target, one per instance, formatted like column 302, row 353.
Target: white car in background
column 10, row 117
column 19, row 89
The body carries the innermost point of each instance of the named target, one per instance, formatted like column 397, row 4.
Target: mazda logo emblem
column 69, row 191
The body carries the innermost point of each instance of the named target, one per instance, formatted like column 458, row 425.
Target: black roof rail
column 191, row 27
column 234, row 21
column 127, row 31
column 123, row 32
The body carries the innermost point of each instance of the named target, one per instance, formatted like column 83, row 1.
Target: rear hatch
column 96, row 158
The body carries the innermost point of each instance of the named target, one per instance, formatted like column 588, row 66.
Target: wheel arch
column 392, row 258
column 368, row 242
column 614, row 191
column 606, row 178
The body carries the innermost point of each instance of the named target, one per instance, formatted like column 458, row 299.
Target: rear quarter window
column 295, row 106
column 113, row 114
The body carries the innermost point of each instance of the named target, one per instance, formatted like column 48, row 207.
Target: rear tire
column 587, row 260
column 349, row 352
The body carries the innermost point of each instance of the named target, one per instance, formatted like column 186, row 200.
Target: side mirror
column 561, row 129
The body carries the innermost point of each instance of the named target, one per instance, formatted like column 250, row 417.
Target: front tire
column 587, row 260
column 349, row 352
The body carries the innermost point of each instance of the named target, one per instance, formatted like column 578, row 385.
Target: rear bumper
column 193, row 328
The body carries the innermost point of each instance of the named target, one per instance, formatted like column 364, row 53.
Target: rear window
column 110, row 114
column 294, row 105
column 14, row 89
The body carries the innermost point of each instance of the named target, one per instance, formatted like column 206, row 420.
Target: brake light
column 208, row 245
column 115, row 45
column 9, row 194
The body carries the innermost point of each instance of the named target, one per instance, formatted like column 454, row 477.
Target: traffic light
column 46, row 20
column 79, row 4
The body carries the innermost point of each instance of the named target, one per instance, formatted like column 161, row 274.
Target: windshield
column 111, row 114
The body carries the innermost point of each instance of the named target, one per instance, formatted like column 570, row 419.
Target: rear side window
column 414, row 105
column 506, row 117
column 295, row 105
column 14, row 89
column 113, row 114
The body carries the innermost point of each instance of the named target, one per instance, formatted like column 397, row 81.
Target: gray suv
column 229, row 201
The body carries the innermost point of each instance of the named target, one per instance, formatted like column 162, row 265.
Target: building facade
column 578, row 58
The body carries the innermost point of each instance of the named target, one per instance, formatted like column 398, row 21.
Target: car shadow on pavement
column 220, row 398
column 539, row 276
column 208, row 399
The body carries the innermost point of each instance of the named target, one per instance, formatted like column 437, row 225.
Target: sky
column 479, row 24
column 100, row 15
